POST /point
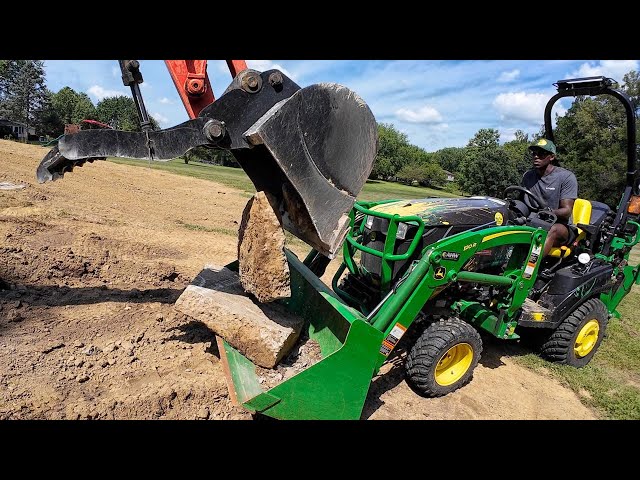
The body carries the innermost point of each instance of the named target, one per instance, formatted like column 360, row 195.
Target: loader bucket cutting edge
column 335, row 387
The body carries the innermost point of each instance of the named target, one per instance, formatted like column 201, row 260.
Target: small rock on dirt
column 203, row 413
column 14, row 316
column 53, row 347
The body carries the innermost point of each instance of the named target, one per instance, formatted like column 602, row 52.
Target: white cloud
column 521, row 106
column 507, row 134
column 165, row 100
column 160, row 118
column 424, row 114
column 609, row 68
column 99, row 93
column 509, row 76
column 262, row 65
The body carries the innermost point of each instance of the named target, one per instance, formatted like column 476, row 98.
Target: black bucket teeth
column 54, row 166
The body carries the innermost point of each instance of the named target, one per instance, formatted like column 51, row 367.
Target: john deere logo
column 542, row 142
column 439, row 273
column 499, row 218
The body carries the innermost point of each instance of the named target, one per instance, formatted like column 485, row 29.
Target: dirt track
column 92, row 265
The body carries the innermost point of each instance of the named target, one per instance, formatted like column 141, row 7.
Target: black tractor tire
column 447, row 347
column 577, row 338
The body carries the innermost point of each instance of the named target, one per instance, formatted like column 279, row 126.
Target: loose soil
column 90, row 267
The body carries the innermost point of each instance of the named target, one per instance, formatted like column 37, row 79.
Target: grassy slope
column 610, row 383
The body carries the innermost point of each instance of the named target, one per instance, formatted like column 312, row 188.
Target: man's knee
column 559, row 234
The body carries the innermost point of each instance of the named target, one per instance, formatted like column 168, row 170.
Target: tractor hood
column 450, row 211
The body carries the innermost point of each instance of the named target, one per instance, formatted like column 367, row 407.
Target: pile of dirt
column 90, row 269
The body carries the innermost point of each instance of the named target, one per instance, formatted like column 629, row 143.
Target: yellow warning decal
column 392, row 339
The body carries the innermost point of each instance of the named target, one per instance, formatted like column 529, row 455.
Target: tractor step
column 535, row 313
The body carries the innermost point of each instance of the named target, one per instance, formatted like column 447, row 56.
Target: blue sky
column 437, row 103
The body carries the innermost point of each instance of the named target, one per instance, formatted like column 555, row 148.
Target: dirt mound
column 90, row 267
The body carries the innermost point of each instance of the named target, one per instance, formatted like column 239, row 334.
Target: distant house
column 15, row 129
column 450, row 176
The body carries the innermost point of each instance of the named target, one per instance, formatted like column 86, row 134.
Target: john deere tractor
column 450, row 269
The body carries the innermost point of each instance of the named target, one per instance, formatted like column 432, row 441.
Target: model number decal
column 471, row 245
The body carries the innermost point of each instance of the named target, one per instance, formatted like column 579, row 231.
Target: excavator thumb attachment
column 334, row 388
column 312, row 148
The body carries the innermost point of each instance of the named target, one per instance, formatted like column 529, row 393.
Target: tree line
column 25, row 98
column 590, row 138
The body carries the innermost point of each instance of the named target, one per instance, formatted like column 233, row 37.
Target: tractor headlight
column 369, row 222
column 402, row 231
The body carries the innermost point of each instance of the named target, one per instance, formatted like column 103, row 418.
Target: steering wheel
column 530, row 199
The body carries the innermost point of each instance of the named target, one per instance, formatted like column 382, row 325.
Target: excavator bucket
column 312, row 148
column 334, row 387
column 319, row 148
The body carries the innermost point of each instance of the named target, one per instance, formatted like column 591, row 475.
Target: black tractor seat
column 586, row 213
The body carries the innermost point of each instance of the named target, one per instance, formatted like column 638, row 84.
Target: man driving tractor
column 555, row 185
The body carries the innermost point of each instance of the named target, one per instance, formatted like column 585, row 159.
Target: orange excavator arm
column 192, row 82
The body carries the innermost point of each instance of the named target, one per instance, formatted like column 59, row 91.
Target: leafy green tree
column 64, row 101
column 428, row 174
column 4, row 67
column 389, row 159
column 450, row 158
column 73, row 107
column 631, row 87
column 48, row 121
column 121, row 112
column 518, row 152
column 487, row 171
column 592, row 139
column 488, row 168
column 23, row 90
column 485, row 138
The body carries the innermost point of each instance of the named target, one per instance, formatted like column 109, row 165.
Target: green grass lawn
column 610, row 384
column 236, row 178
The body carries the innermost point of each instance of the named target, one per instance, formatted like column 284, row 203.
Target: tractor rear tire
column 576, row 339
column 443, row 358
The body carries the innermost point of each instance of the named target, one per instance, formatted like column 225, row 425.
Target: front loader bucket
column 314, row 152
column 333, row 388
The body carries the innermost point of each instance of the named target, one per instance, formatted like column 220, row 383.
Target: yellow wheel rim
column 454, row 364
column 587, row 338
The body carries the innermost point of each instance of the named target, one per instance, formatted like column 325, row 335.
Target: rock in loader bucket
column 333, row 388
column 312, row 148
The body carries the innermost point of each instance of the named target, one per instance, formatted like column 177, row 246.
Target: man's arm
column 568, row 194
column 565, row 209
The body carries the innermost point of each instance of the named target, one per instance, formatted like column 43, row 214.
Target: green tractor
column 452, row 268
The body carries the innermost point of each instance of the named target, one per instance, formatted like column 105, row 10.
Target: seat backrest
column 581, row 214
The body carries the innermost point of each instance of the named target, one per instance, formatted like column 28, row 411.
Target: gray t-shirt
column 558, row 185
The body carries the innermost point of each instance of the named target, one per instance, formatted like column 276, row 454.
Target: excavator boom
column 311, row 148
